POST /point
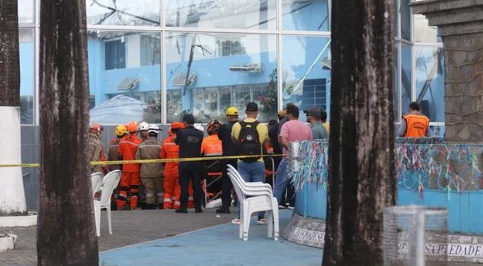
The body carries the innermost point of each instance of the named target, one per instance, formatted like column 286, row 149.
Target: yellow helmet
column 120, row 131
column 232, row 111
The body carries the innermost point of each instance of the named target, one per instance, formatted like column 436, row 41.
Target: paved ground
column 218, row 245
column 129, row 227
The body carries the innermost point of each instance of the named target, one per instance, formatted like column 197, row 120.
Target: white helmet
column 199, row 127
column 153, row 128
column 143, row 126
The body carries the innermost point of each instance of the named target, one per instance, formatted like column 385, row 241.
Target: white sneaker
column 262, row 221
column 235, row 221
column 291, row 207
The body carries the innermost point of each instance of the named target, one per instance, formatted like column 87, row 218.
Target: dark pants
column 227, row 185
column 187, row 171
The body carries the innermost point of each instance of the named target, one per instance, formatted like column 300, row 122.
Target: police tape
column 151, row 161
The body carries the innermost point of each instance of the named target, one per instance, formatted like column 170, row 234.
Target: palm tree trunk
column 12, row 197
column 362, row 180
column 66, row 229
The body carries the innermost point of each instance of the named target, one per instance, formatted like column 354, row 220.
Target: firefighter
column 143, row 130
column 130, row 179
column 96, row 152
column 189, row 140
column 112, row 154
column 152, row 175
column 170, row 150
column 211, row 147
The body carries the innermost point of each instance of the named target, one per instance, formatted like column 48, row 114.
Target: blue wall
column 464, row 208
column 27, row 69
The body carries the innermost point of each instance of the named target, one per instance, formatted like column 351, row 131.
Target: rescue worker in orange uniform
column 414, row 124
column 152, row 173
column 212, row 147
column 112, row 154
column 96, row 152
column 130, row 179
column 170, row 150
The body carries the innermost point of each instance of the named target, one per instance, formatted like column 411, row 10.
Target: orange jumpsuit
column 172, row 190
column 211, row 146
column 130, row 179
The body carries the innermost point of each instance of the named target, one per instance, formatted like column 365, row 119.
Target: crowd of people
column 177, row 185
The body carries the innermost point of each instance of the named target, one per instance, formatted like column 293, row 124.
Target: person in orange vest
column 96, row 152
column 414, row 124
column 170, row 150
column 211, row 146
column 130, row 179
column 113, row 154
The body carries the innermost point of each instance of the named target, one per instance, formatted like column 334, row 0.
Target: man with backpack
column 250, row 136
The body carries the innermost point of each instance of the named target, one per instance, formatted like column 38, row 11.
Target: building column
column 460, row 25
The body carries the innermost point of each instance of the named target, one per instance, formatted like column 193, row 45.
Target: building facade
column 154, row 60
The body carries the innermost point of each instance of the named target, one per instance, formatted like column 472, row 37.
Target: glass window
column 123, row 85
column 405, row 77
column 211, row 72
column 423, row 32
column 115, row 53
column 150, row 51
column 396, row 18
column 234, row 14
column 397, row 115
column 123, row 12
column 26, row 48
column 405, row 13
column 430, row 81
column 26, row 11
column 309, row 15
column 306, row 72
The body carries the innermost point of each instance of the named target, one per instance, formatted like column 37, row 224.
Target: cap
column 177, row 125
column 282, row 113
column 252, row 107
column 231, row 111
column 315, row 112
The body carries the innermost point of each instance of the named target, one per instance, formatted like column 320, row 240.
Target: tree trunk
column 362, row 179
column 12, row 197
column 66, row 229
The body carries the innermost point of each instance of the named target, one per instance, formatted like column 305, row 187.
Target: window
column 214, row 71
column 306, row 72
column 26, row 47
column 115, row 54
column 124, row 77
column 308, row 15
column 228, row 48
column 150, row 51
column 123, row 12
column 232, row 14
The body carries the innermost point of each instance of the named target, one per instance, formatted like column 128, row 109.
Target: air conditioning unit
column 180, row 80
column 128, row 84
column 247, row 68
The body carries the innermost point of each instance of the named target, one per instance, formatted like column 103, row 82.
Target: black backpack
column 249, row 141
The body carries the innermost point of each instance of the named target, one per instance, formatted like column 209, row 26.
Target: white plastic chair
column 96, row 179
column 255, row 197
column 111, row 180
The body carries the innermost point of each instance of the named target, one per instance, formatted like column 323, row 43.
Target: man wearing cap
column 229, row 149
column 189, row 140
column 314, row 116
column 250, row 136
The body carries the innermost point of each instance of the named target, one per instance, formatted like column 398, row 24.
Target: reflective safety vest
column 416, row 125
column 212, row 146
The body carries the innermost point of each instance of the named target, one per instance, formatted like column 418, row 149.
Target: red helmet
column 213, row 127
column 96, row 128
